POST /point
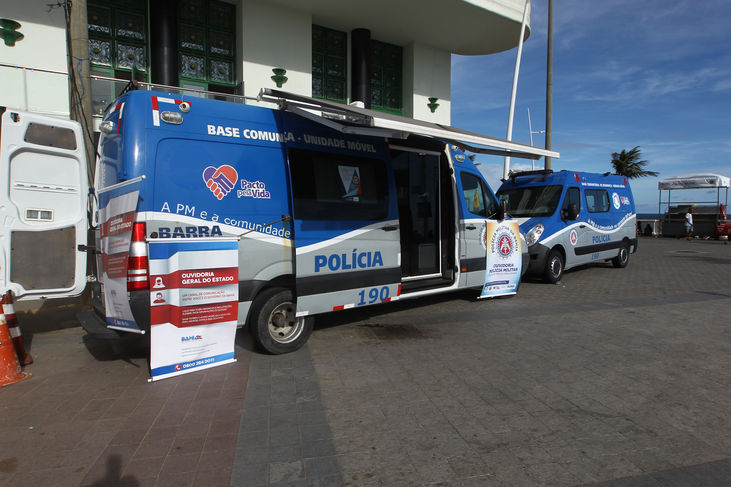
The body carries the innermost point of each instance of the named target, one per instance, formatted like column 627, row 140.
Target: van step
column 93, row 324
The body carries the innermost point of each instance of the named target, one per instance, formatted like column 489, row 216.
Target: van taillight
column 137, row 265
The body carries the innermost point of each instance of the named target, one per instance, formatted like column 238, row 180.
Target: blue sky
column 654, row 74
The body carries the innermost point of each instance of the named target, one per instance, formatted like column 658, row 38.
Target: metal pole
column 526, row 10
column 530, row 130
column 549, row 83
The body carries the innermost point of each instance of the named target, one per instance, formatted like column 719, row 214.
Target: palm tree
column 628, row 164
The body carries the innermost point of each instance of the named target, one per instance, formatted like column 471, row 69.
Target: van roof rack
column 537, row 172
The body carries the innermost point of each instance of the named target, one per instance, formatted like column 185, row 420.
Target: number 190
column 374, row 295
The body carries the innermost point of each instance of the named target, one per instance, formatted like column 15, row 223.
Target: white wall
column 274, row 37
column 43, row 47
column 427, row 73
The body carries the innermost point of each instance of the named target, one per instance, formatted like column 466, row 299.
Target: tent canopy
column 694, row 181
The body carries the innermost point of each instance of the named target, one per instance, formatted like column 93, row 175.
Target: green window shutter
column 386, row 77
column 329, row 64
column 206, row 44
column 118, row 38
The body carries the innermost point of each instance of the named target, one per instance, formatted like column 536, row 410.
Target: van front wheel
column 273, row 323
column 622, row 259
column 554, row 267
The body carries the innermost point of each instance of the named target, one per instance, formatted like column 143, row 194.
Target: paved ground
column 615, row 377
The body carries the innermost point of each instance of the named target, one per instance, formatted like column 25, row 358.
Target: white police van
column 571, row 218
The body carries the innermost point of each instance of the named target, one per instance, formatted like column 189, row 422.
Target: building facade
column 389, row 56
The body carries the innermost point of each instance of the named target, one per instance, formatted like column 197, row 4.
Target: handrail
column 177, row 89
column 28, row 68
column 123, row 82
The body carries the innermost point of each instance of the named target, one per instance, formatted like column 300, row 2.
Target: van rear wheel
column 554, row 267
column 273, row 323
column 622, row 259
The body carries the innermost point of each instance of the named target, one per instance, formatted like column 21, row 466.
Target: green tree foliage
column 630, row 164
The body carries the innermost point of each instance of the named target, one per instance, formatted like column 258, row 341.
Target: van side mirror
column 572, row 213
column 502, row 210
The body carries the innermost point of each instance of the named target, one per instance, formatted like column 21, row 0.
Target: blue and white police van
column 334, row 206
column 571, row 218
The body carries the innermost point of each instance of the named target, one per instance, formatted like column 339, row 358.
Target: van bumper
column 537, row 258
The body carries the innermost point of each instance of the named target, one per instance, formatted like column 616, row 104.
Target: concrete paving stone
column 551, row 474
column 186, row 445
column 321, row 467
column 64, row 477
column 153, row 447
column 251, row 455
column 224, row 425
column 143, row 467
column 252, row 423
column 363, row 479
column 469, row 465
column 515, row 476
column 284, row 435
column 193, row 426
column 174, row 479
column 180, row 463
column 318, row 448
column 333, row 481
column 109, row 464
column 219, row 477
column 401, row 475
column 129, row 437
column 616, row 466
column 284, row 454
column 356, row 462
column 480, row 481
column 435, row 471
column 310, row 406
column 284, row 472
column 288, row 418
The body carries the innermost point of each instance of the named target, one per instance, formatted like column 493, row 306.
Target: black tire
column 273, row 325
column 554, row 267
column 622, row 259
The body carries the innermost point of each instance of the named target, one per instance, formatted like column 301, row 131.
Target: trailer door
column 346, row 231
column 42, row 206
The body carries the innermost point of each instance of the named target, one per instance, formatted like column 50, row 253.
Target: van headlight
column 534, row 234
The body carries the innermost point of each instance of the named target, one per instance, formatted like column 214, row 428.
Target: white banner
column 117, row 206
column 194, row 302
column 504, row 258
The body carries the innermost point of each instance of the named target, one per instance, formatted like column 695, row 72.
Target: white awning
column 354, row 120
column 694, row 181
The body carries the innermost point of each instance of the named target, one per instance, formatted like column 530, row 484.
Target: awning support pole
column 526, row 10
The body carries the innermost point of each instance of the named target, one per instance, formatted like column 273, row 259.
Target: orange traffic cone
column 9, row 311
column 10, row 372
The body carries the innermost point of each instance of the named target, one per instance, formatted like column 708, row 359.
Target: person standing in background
column 689, row 224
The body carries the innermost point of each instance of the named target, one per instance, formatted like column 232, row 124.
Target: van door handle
column 470, row 227
column 389, row 228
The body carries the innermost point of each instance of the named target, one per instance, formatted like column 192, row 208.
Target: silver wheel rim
column 623, row 255
column 555, row 266
column 283, row 325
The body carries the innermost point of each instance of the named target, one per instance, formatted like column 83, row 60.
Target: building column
column 164, row 42
column 360, row 54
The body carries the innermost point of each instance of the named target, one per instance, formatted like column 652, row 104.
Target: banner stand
column 194, row 302
column 504, row 258
column 117, row 207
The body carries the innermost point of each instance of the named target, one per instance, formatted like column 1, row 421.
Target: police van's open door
column 44, row 188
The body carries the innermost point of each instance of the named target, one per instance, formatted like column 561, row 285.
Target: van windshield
column 531, row 201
